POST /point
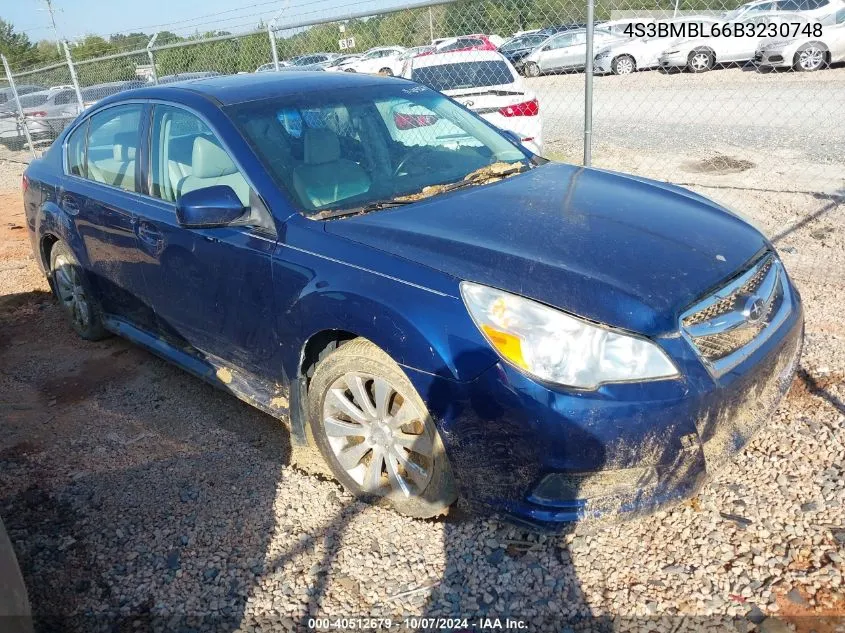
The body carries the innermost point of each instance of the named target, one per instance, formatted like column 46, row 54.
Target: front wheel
column 71, row 288
column 809, row 57
column 386, row 72
column 531, row 69
column 375, row 432
column 623, row 65
column 700, row 61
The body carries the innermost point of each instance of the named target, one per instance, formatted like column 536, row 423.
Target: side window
column 76, row 151
column 112, row 146
column 185, row 155
column 63, row 98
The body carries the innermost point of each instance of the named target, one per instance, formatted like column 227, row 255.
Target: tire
column 415, row 478
column 701, row 60
column 73, row 291
column 623, row 65
column 810, row 57
column 386, row 72
column 531, row 69
column 349, row 70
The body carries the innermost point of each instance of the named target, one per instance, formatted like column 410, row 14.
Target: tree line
column 412, row 27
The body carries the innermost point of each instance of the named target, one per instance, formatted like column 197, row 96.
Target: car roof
column 456, row 57
column 231, row 89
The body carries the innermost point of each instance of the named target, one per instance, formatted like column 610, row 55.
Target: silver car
column 806, row 54
column 46, row 113
column 564, row 51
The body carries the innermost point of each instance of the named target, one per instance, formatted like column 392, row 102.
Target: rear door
column 99, row 193
column 211, row 288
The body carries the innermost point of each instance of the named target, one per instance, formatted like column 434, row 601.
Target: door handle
column 149, row 234
column 69, row 204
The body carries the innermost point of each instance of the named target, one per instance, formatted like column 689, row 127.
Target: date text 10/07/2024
column 455, row 625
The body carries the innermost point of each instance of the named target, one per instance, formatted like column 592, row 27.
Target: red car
column 475, row 42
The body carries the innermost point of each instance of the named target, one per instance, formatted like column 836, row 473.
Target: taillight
column 411, row 121
column 526, row 108
column 39, row 113
column 24, row 183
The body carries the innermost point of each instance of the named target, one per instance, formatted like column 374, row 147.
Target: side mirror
column 209, row 208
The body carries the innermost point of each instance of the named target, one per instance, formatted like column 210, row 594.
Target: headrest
column 124, row 146
column 321, row 146
column 209, row 160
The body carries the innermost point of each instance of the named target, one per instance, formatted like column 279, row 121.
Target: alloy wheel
column 532, row 70
column 810, row 58
column 624, row 66
column 71, row 292
column 379, row 437
column 700, row 61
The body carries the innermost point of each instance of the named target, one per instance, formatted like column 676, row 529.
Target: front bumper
column 547, row 456
column 675, row 60
column 775, row 59
column 603, row 64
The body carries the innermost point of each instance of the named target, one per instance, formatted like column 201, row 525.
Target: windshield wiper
column 372, row 206
column 488, row 173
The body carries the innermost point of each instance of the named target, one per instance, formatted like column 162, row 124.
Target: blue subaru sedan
column 436, row 313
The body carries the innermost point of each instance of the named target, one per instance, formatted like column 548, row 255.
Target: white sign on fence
column 347, row 43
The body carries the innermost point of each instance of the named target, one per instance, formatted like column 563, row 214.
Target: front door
column 99, row 193
column 211, row 288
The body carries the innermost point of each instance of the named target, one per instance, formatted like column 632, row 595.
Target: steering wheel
column 414, row 154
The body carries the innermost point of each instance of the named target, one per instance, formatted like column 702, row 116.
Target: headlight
column 559, row 348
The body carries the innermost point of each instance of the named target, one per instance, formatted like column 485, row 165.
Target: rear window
column 464, row 75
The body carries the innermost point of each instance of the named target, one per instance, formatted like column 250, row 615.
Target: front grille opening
column 723, row 337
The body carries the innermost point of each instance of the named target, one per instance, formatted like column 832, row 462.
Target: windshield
column 464, row 75
column 522, row 42
column 346, row 149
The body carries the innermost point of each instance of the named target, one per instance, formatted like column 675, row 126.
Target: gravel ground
column 138, row 497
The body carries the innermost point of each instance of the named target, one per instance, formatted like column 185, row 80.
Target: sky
column 76, row 18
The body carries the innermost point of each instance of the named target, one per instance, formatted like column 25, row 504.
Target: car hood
column 618, row 249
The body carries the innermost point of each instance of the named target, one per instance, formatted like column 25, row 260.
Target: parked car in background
column 169, row 79
column 622, row 26
column 822, row 11
column 337, row 63
column 315, row 61
column 7, row 95
column 484, row 82
column 477, row 42
column 92, row 94
column 701, row 54
column 410, row 53
column 516, row 48
column 562, row 28
column 806, row 54
column 626, row 56
column 385, row 60
column 564, row 51
column 46, row 113
column 270, row 67
column 444, row 319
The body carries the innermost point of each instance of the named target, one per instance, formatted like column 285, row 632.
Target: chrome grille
column 726, row 304
column 728, row 325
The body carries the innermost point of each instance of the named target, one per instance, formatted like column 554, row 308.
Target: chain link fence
column 705, row 116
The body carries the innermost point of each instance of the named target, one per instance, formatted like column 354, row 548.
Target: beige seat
column 119, row 170
column 325, row 178
column 211, row 165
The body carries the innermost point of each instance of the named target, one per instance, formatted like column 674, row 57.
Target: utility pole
column 52, row 13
